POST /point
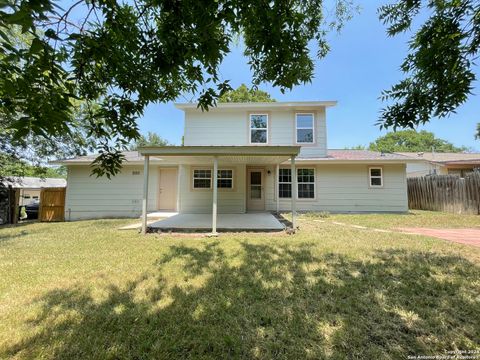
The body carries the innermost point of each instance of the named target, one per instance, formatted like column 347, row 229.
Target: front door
column 167, row 191
column 255, row 190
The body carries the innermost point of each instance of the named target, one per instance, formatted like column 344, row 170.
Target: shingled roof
column 27, row 182
column 447, row 157
column 332, row 155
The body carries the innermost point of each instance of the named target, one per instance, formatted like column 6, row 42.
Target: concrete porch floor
column 225, row 222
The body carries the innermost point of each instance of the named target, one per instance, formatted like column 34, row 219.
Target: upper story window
column 304, row 128
column 258, row 128
column 375, row 176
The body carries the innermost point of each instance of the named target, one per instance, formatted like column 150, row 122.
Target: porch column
column 145, row 194
column 277, row 187
column 179, row 184
column 294, row 192
column 214, row 207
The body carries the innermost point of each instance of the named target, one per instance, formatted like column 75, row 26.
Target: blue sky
column 363, row 61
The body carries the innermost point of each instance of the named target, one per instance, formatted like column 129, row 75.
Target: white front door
column 167, row 191
column 255, row 190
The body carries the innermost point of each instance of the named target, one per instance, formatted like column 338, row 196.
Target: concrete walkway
column 151, row 218
column 225, row 222
column 462, row 236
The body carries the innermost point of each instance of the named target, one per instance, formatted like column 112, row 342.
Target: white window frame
column 370, row 177
column 211, row 179
column 232, row 178
column 193, row 179
column 295, row 191
column 250, row 128
column 304, row 128
column 314, row 185
column 284, row 182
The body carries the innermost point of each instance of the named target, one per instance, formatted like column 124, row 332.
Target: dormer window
column 304, row 128
column 258, row 128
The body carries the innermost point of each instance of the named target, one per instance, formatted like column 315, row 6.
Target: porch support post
column 277, row 187
column 145, row 194
column 294, row 193
column 214, row 207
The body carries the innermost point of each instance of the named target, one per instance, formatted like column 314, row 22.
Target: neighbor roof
column 343, row 155
column 448, row 157
column 294, row 105
column 130, row 156
column 27, row 182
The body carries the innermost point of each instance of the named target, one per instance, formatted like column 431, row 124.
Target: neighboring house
column 433, row 163
column 30, row 187
column 254, row 147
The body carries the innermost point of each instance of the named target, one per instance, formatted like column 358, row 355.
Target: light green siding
column 90, row 197
column 194, row 201
column 231, row 127
column 345, row 188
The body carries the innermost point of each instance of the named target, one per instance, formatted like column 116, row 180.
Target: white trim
column 232, row 178
column 370, row 177
column 304, row 128
column 211, row 178
column 262, row 105
column 250, row 128
column 193, row 178
column 314, row 184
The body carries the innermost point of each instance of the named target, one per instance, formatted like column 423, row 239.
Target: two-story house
column 239, row 158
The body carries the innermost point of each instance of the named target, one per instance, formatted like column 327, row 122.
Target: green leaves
column 412, row 141
column 244, row 94
column 123, row 56
column 439, row 66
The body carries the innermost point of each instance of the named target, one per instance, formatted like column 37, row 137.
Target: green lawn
column 415, row 218
column 85, row 290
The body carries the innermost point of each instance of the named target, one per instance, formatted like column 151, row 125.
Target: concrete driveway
column 462, row 236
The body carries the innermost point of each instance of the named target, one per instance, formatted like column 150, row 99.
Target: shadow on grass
column 7, row 237
column 274, row 302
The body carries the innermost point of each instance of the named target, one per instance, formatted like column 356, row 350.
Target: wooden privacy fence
column 445, row 193
column 52, row 204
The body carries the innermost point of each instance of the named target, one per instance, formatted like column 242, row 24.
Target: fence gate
column 52, row 204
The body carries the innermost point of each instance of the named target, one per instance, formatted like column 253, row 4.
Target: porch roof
column 204, row 155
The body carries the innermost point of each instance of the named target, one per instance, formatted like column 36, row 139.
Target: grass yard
column 415, row 218
column 84, row 290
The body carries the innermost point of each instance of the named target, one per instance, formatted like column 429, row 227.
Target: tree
column 412, row 141
column 29, row 154
column 152, row 139
column 439, row 67
column 13, row 167
column 126, row 55
column 244, row 94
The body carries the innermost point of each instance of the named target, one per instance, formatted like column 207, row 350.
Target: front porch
column 225, row 222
